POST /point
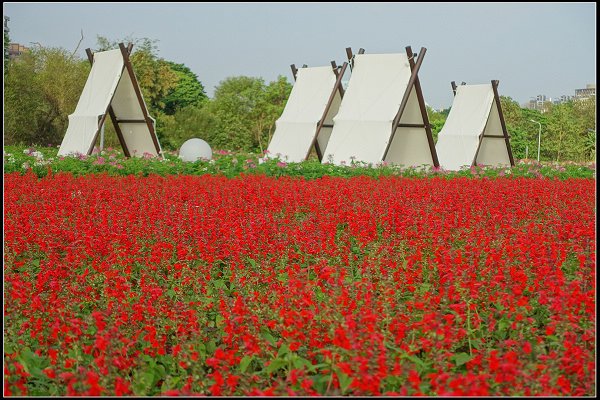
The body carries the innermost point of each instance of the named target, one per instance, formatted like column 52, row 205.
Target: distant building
column 540, row 103
column 16, row 49
column 584, row 94
column 562, row 99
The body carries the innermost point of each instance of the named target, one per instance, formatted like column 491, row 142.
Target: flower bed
column 255, row 285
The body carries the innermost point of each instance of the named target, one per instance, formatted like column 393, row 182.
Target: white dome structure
column 195, row 149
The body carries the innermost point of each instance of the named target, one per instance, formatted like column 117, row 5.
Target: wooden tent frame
column 125, row 51
column 412, row 82
column 504, row 135
column 336, row 87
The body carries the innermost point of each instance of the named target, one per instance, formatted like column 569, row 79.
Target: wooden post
column 409, row 86
column 335, row 71
column 422, row 105
column 504, row 131
column 338, row 82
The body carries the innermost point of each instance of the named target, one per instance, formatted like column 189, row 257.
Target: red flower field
column 286, row 286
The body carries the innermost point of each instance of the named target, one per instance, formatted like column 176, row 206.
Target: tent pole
column 502, row 123
column 102, row 137
column 453, row 87
column 409, row 86
column 422, row 106
column 338, row 83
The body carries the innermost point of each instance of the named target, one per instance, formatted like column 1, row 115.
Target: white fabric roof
column 473, row 111
column 108, row 83
column 296, row 128
column 93, row 102
column 363, row 125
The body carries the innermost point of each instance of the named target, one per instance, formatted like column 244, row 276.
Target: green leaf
column 150, row 378
column 171, row 293
column 211, row 346
column 201, row 349
column 461, row 358
column 245, row 363
column 344, row 379
column 219, row 284
column 283, row 350
column 300, row 362
column 320, row 383
column 415, row 359
column 8, row 348
column 275, row 365
column 269, row 338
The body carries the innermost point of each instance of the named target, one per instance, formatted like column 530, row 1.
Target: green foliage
column 188, row 91
column 41, row 89
column 522, row 132
column 437, row 119
column 193, row 121
column 244, row 111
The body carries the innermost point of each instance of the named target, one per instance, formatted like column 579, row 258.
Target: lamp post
column 539, row 137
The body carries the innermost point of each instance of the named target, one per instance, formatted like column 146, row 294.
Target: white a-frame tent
column 474, row 132
column 307, row 119
column 382, row 116
column 111, row 89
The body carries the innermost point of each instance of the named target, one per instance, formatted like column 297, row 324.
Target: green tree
column 41, row 89
column 437, row 119
column 563, row 140
column 194, row 121
column 245, row 110
column 188, row 91
column 585, row 113
column 269, row 108
column 523, row 133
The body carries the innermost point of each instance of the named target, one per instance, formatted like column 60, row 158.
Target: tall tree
column 585, row 113
column 40, row 91
column 562, row 141
column 245, row 110
column 188, row 91
column 522, row 132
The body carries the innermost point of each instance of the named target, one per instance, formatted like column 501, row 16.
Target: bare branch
column 78, row 44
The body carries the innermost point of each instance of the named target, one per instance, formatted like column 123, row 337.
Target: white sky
column 532, row 48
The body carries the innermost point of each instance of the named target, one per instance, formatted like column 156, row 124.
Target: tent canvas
column 382, row 116
column 111, row 89
column 474, row 132
column 307, row 118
